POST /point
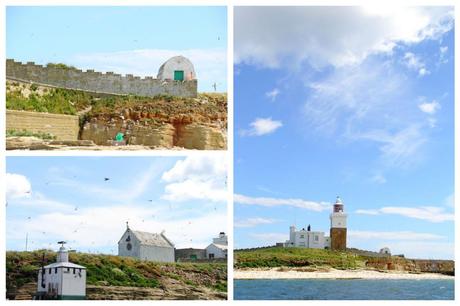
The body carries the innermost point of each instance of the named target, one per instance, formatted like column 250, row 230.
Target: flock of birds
column 82, row 224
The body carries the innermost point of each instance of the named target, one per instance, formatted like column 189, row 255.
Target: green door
column 193, row 257
column 178, row 75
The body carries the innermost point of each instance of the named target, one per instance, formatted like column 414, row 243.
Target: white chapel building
column 146, row 246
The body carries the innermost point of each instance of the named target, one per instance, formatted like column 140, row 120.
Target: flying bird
column 106, row 178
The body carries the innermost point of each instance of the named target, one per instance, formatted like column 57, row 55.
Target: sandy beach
column 293, row 273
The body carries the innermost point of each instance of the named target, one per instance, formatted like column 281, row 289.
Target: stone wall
column 186, row 254
column 63, row 127
column 109, row 82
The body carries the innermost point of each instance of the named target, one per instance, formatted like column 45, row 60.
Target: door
column 178, row 75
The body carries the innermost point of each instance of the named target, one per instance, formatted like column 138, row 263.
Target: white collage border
column 230, row 4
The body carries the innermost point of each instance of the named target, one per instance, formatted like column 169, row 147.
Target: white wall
column 218, row 253
column 155, row 253
column 338, row 220
column 122, row 246
column 306, row 239
column 74, row 284
column 65, row 282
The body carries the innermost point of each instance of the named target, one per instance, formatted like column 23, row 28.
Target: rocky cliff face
column 164, row 135
column 412, row 265
column 154, row 122
column 199, row 123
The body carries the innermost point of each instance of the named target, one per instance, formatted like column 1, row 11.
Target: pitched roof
column 63, row 264
column 219, row 246
column 155, row 239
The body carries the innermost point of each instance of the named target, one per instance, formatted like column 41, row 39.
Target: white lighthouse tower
column 61, row 280
column 338, row 226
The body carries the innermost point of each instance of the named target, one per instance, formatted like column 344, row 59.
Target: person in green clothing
column 119, row 137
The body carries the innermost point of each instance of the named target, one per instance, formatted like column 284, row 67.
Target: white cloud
column 423, row 249
column 426, row 213
column 197, row 167
column 262, row 126
column 212, row 190
column 271, row 202
column 398, row 149
column 443, row 55
column 429, row 107
column 367, row 95
column 411, row 244
column 269, row 238
column 17, row 186
column 379, row 179
column 251, row 222
column 415, row 63
column 450, row 200
column 127, row 194
column 210, row 64
column 267, row 36
column 95, row 228
column 197, row 177
column 273, row 94
column 401, row 235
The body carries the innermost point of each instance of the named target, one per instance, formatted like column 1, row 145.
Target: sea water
column 343, row 289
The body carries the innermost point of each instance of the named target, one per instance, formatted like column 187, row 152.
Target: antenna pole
column 27, row 240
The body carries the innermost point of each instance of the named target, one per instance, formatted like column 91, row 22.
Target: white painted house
column 177, row 68
column 146, row 246
column 305, row 238
column 62, row 280
column 218, row 247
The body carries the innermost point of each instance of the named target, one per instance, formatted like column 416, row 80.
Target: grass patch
column 25, row 133
column 110, row 270
column 296, row 257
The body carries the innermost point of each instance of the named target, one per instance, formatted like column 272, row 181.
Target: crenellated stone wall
column 72, row 78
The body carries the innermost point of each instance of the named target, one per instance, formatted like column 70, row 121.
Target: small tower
column 338, row 226
column 61, row 280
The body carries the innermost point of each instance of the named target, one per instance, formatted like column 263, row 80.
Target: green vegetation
column 297, row 257
column 147, row 110
column 109, row 270
column 59, row 65
column 25, row 133
column 56, row 101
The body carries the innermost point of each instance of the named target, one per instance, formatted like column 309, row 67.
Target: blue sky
column 67, row 198
column 348, row 101
column 134, row 40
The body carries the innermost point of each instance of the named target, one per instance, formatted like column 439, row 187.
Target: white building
column 307, row 239
column 218, row 247
column 177, row 68
column 62, row 280
column 385, row 250
column 146, row 246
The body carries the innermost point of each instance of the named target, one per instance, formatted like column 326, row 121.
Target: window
column 211, row 255
column 316, row 238
column 129, row 246
column 49, row 272
column 74, row 270
column 55, row 270
column 302, row 236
